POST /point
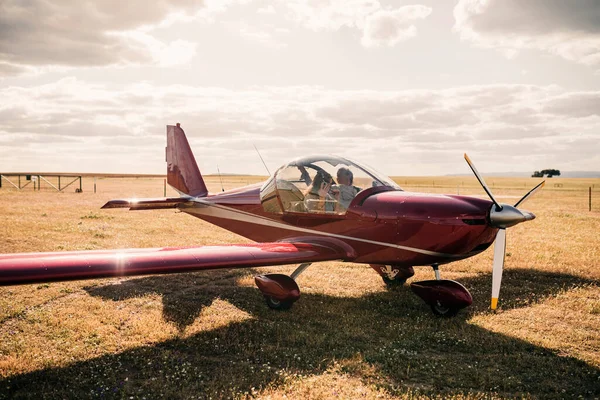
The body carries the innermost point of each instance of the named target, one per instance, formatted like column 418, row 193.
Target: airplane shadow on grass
column 405, row 348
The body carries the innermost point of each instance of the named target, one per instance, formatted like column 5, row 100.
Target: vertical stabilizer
column 182, row 171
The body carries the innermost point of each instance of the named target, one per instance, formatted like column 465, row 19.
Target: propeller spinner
column 502, row 216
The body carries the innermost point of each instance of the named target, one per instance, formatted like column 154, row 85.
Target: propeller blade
column 499, row 253
column 482, row 182
column 530, row 193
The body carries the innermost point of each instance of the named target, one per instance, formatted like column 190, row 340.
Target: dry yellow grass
column 208, row 334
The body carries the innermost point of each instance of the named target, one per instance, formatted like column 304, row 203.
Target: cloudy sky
column 404, row 86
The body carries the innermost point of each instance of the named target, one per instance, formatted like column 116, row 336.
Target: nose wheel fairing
column 445, row 297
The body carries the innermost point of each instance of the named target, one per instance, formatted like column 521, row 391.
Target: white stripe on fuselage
column 220, row 211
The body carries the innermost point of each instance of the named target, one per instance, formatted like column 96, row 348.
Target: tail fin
column 182, row 171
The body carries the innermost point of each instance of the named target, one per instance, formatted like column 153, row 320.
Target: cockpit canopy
column 318, row 184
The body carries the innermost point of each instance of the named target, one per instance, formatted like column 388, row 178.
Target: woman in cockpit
column 317, row 197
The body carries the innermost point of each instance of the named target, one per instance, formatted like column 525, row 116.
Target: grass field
column 210, row 335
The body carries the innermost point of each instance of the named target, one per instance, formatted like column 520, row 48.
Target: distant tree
column 546, row 172
column 551, row 172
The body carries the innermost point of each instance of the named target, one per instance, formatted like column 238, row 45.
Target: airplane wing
column 24, row 268
column 147, row 204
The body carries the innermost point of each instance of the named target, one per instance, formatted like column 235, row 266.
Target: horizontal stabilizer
column 146, row 204
column 73, row 265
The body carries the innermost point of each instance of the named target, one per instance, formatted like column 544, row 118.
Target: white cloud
column 266, row 10
column 401, row 132
column 263, row 36
column 74, row 33
column 40, row 35
column 177, row 52
column 379, row 25
column 388, row 27
column 331, row 15
column 568, row 29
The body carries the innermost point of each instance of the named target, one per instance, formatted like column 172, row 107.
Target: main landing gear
column 445, row 297
column 392, row 275
column 280, row 291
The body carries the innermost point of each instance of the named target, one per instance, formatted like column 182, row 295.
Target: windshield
column 319, row 184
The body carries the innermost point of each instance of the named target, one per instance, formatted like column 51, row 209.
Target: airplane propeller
column 502, row 216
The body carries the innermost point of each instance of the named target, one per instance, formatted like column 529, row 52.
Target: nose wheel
column 443, row 311
column 391, row 283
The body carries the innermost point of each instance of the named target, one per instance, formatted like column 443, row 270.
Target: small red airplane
column 317, row 208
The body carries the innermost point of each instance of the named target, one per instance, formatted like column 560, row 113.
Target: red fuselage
column 383, row 225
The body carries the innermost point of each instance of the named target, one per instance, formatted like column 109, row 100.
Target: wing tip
column 116, row 204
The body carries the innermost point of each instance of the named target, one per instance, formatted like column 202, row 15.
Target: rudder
column 182, row 171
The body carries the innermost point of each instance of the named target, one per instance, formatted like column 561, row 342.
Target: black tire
column 393, row 282
column 442, row 311
column 275, row 304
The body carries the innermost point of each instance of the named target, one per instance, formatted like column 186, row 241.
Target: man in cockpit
column 344, row 189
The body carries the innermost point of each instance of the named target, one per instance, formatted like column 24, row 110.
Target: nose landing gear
column 445, row 297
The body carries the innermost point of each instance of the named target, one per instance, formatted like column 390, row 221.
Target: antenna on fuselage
column 222, row 188
column 261, row 159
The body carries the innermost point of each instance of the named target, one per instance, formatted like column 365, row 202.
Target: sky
column 406, row 87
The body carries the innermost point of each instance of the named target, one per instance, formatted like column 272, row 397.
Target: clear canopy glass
column 319, row 184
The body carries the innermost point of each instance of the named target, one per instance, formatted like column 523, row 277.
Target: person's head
column 345, row 176
column 321, row 177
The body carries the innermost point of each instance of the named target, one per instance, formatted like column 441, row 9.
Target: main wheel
column 442, row 311
column 275, row 304
column 393, row 282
